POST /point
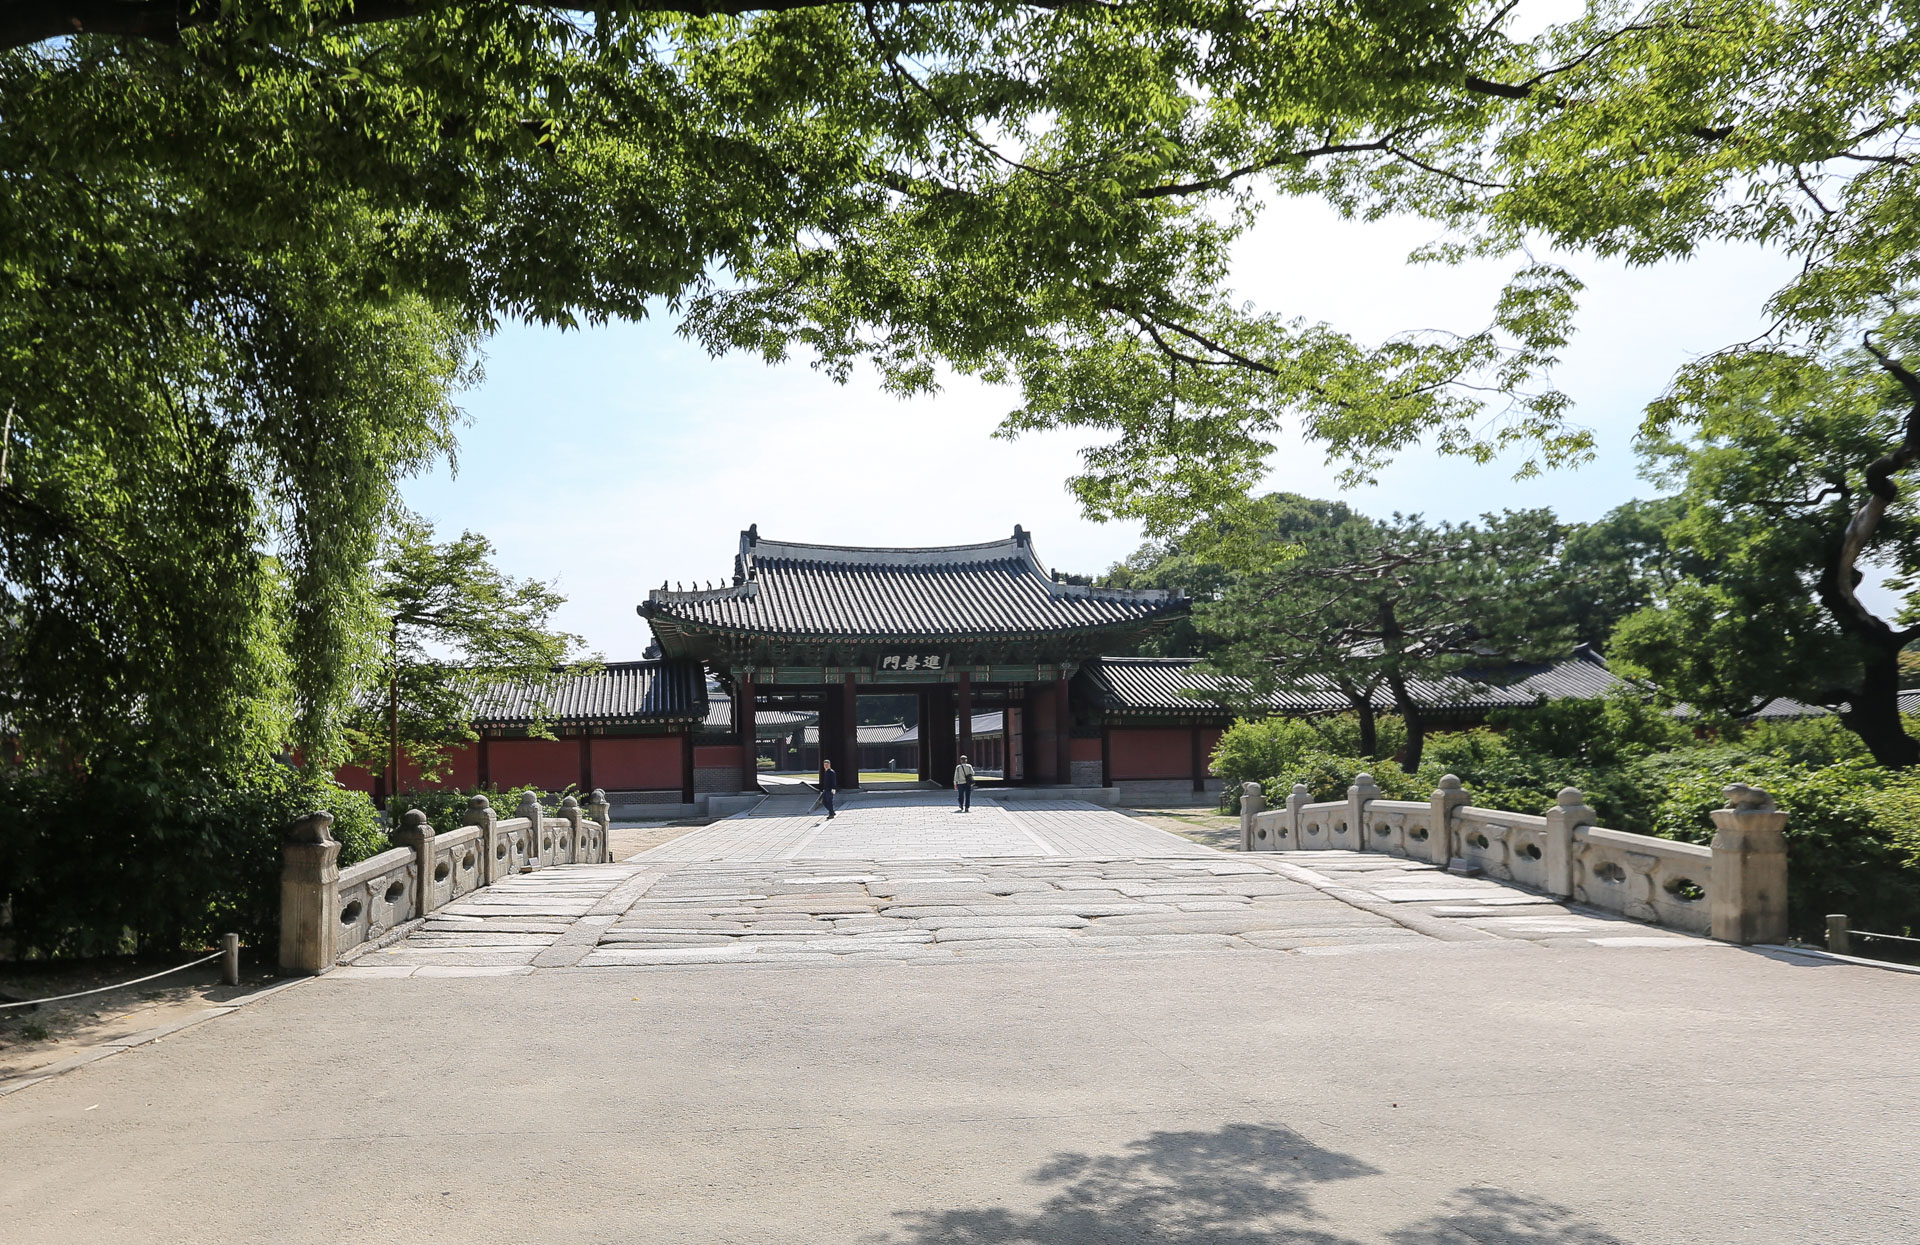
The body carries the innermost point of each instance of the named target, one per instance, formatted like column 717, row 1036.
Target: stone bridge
column 905, row 877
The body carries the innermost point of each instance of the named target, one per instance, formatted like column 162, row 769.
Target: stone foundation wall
column 720, row 778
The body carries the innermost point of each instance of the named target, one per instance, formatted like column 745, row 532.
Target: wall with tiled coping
column 1736, row 889
column 326, row 912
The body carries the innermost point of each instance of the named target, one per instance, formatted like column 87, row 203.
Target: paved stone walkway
column 906, row 878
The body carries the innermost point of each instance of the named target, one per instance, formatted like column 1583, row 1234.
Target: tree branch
column 27, row 22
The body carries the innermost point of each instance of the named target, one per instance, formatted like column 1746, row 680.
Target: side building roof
column 621, row 693
column 846, row 593
column 1159, row 686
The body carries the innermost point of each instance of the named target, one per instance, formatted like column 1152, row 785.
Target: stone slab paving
column 908, row 879
column 943, row 910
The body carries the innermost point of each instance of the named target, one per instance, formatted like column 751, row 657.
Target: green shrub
column 1851, row 845
column 1256, row 749
column 1327, row 777
column 1809, row 741
column 125, row 860
column 1340, row 734
column 447, row 810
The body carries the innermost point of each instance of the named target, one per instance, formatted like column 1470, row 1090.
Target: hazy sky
column 613, row 459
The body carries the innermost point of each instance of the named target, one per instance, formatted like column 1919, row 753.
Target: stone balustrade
column 326, row 911
column 1735, row 889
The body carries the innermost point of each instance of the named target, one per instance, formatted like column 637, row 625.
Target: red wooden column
column 1106, row 755
column 964, row 691
column 586, row 763
column 686, row 765
column 483, row 763
column 744, row 726
column 1199, row 762
column 850, row 742
column 1063, row 726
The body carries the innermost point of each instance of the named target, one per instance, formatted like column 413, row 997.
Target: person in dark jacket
column 829, row 783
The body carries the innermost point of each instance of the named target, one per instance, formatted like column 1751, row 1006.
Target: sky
column 610, row 460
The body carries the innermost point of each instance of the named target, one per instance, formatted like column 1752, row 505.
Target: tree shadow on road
column 1239, row 1185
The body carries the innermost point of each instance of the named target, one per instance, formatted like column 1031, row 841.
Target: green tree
column 453, row 629
column 1204, row 559
column 1404, row 607
column 1787, row 470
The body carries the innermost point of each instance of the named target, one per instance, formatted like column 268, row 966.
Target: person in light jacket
column 963, row 783
column 829, row 783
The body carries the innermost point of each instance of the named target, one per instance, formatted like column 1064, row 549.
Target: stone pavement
column 1431, row 1093
column 907, row 878
column 1105, row 1037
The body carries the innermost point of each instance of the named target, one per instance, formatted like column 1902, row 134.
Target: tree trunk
column 393, row 725
column 1416, row 724
column 1369, row 728
column 1873, row 711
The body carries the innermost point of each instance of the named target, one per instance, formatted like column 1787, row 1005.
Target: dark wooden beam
column 1063, row 725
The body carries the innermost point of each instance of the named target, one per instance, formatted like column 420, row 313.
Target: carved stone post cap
column 414, row 820
column 1450, row 782
column 1570, row 797
column 479, row 804
column 315, row 827
column 1742, row 798
column 1250, row 788
column 599, row 796
column 1302, row 789
column 570, row 804
column 1363, row 784
column 527, row 800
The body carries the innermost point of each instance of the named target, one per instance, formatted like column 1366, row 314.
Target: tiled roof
column 886, row 733
column 835, row 591
column 984, row 724
column 1786, row 709
column 622, row 693
column 1163, row 684
column 765, row 721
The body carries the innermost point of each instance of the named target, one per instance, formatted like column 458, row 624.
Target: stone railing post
column 530, row 809
column 1749, row 899
column 309, row 895
column 602, row 812
column 1297, row 799
column 1568, row 813
column 1447, row 797
column 570, row 813
column 417, row 832
column 1253, row 802
column 480, row 813
column 1363, row 792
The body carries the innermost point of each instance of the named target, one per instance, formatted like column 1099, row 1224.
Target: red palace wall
column 713, row 756
column 549, row 764
column 1142, row 753
column 1086, row 749
column 461, row 770
column 642, row 763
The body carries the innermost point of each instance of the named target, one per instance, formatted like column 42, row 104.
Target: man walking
column 829, row 782
column 963, row 783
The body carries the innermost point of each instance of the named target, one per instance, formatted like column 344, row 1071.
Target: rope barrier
column 78, row 994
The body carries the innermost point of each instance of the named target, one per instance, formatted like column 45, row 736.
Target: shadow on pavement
column 1239, row 1185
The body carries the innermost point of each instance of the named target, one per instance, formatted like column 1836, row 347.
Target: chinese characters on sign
column 912, row 661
